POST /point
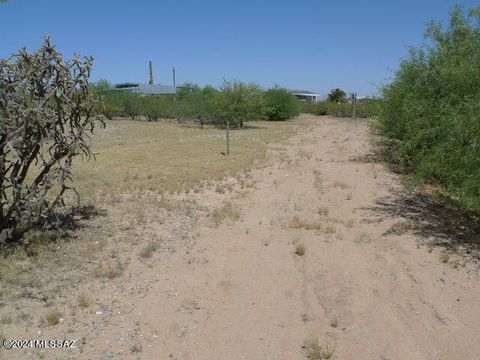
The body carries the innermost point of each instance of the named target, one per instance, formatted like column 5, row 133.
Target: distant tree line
column 233, row 101
column 337, row 104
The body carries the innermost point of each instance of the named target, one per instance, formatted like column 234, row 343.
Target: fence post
column 227, row 135
column 354, row 103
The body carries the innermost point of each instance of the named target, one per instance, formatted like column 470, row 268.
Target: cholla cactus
column 46, row 114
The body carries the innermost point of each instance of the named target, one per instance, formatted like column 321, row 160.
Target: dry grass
column 340, row 185
column 300, row 249
column 53, row 317
column 83, row 301
column 297, row 223
column 404, row 227
column 363, row 238
column 444, row 257
column 315, row 351
column 224, row 213
column 323, row 211
column 164, row 156
column 108, row 268
column 147, row 251
column 326, row 228
column 317, row 180
column 334, row 322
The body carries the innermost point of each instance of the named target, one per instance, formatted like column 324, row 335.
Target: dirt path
column 239, row 291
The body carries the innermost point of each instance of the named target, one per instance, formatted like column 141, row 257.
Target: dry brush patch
column 168, row 157
column 61, row 268
column 315, row 351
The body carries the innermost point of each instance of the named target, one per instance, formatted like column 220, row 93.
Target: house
column 305, row 95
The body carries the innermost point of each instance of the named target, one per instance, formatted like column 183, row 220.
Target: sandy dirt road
column 239, row 291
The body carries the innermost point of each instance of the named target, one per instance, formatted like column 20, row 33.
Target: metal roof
column 147, row 89
column 303, row 92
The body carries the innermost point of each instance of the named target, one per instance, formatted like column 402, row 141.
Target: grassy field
column 169, row 157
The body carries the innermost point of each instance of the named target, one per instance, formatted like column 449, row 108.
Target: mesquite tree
column 47, row 111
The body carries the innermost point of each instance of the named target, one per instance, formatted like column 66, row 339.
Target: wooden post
column 227, row 134
column 354, row 103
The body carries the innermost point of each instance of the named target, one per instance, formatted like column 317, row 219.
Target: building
column 147, row 89
column 305, row 95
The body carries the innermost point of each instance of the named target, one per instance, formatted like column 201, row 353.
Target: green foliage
column 431, row 109
column 102, row 86
column 365, row 108
column 280, row 104
column 156, row 107
column 131, row 104
column 198, row 104
column 47, row 109
column 237, row 102
column 337, row 96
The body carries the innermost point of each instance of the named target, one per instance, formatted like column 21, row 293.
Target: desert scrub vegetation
column 315, row 351
column 234, row 101
column 224, row 213
column 430, row 113
column 46, row 113
column 280, row 104
column 365, row 108
column 300, row 249
column 170, row 157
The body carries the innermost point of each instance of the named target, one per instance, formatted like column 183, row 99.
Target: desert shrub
column 431, row 110
column 47, row 110
column 237, row 102
column 131, row 103
column 280, row 104
column 234, row 101
column 198, row 104
column 156, row 107
column 329, row 108
column 365, row 108
column 111, row 110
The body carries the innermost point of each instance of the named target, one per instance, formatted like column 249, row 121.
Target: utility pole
column 174, row 84
column 150, row 66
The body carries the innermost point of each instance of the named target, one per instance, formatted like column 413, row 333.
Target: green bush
column 431, row 110
column 197, row 104
column 237, row 102
column 365, row 108
column 280, row 104
column 157, row 107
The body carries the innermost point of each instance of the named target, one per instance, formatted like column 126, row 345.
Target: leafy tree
column 431, row 110
column 238, row 102
column 102, row 86
column 198, row 104
column 280, row 104
column 47, row 110
column 131, row 104
column 337, row 96
column 156, row 107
